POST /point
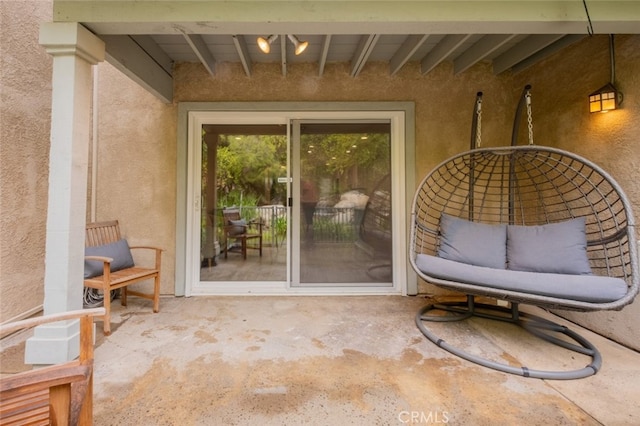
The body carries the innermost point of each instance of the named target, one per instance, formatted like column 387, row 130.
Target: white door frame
column 195, row 115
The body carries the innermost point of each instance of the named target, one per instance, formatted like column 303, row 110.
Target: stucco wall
column 444, row 102
column 136, row 167
column 25, row 107
column 561, row 86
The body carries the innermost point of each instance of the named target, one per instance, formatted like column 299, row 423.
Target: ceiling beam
column 326, row 43
column 441, row 52
column 547, row 51
column 350, row 17
column 364, row 49
column 480, row 50
column 201, row 50
column 148, row 44
column 243, row 53
column 283, row 53
column 406, row 52
column 133, row 61
column 522, row 50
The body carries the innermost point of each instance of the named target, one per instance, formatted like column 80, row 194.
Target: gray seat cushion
column 584, row 288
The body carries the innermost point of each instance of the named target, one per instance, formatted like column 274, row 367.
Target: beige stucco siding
column 444, row 103
column 136, row 167
column 25, row 108
column 561, row 85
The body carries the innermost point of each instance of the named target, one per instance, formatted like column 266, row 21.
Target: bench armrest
column 44, row 378
column 257, row 224
column 146, row 247
column 106, row 267
column 6, row 329
column 158, row 251
column 99, row 258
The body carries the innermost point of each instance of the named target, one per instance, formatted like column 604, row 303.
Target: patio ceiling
column 146, row 38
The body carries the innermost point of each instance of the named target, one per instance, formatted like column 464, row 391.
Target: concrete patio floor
column 351, row 360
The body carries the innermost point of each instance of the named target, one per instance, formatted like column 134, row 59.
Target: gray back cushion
column 473, row 243
column 237, row 227
column 118, row 251
column 559, row 248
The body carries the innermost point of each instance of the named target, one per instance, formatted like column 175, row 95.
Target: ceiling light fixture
column 265, row 43
column 299, row 45
column 607, row 98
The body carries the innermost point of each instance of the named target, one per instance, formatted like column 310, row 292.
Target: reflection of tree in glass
column 248, row 166
column 251, row 165
column 352, row 159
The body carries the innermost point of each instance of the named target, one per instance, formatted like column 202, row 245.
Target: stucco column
column 74, row 50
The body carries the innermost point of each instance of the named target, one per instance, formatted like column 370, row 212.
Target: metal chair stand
column 537, row 326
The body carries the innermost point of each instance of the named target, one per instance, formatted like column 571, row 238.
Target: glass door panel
column 243, row 219
column 342, row 204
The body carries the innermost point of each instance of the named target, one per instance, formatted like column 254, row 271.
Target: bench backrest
column 101, row 233
column 230, row 214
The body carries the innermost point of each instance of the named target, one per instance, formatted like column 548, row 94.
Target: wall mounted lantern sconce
column 265, row 43
column 604, row 99
column 607, row 98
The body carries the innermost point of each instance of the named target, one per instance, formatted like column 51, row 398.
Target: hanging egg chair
column 526, row 225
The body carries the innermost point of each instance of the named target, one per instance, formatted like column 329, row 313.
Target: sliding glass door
column 295, row 202
column 342, row 221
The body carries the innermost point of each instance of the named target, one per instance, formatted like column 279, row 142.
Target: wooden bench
column 54, row 395
column 100, row 234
